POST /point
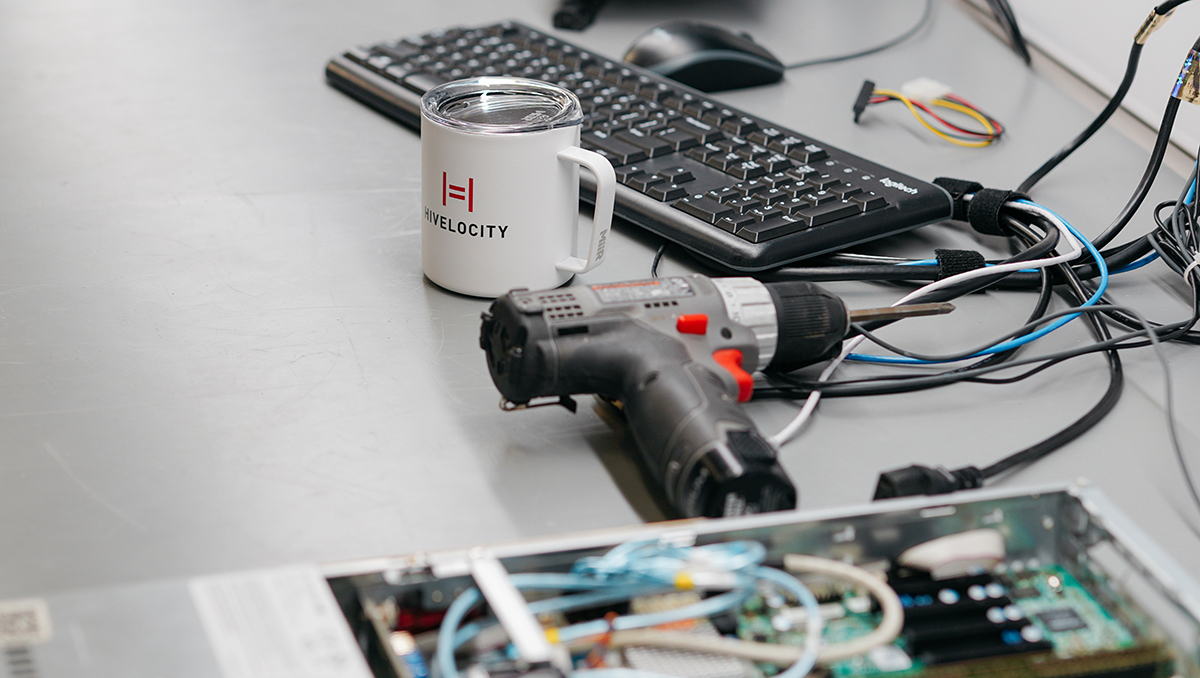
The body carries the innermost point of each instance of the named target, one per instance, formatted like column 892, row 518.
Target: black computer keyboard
column 728, row 185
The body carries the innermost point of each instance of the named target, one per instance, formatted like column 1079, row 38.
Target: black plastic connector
column 576, row 15
column 864, row 98
column 916, row 480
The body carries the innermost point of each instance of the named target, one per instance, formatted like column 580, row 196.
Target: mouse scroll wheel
column 746, row 36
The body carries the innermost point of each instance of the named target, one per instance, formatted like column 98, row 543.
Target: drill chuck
column 811, row 322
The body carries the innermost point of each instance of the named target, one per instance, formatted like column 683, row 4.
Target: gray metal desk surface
column 217, row 350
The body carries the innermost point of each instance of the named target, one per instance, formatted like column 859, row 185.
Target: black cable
column 1008, row 21
column 1168, row 6
column 658, row 255
column 926, row 15
column 1147, row 180
column 899, row 273
column 1113, row 104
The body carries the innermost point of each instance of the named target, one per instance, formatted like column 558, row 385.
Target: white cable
column 1076, row 249
column 782, row 655
column 893, row 612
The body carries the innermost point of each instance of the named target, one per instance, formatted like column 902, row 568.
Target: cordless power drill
column 679, row 354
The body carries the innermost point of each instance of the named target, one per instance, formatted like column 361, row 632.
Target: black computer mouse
column 705, row 57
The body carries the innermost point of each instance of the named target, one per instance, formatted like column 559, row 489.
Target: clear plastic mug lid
column 501, row 105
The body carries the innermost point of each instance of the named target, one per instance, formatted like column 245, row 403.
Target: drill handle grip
column 686, row 421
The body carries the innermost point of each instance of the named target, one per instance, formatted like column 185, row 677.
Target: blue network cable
column 1101, row 265
column 1148, row 259
column 1153, row 256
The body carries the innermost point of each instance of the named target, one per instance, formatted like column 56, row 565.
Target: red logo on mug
column 465, row 193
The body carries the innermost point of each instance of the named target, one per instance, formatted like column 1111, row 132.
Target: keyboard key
column 703, row 153
column 773, row 195
column 735, row 222
column 845, row 190
column 628, row 172
column 786, row 143
column 801, row 173
column 703, row 208
column 723, row 161
column 653, row 146
column 764, row 136
column 743, row 204
column 752, row 187
column 380, row 61
column 714, row 118
column 823, row 182
column 823, row 214
column 656, row 91
column 680, row 140
column 765, row 213
column 359, row 54
column 776, row 162
column 755, row 152
column 725, row 194
column 644, row 181
column 666, row 192
column 630, row 118
column 679, row 175
column 747, row 169
column 820, row 197
column 618, row 152
column 422, row 82
column 807, row 153
column 792, row 204
column 731, row 145
column 740, row 125
column 399, row 71
column 778, row 180
column 869, row 200
column 704, row 132
column 769, row 229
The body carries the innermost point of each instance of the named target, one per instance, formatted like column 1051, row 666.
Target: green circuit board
column 1068, row 616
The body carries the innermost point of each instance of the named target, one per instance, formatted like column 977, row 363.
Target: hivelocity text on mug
column 464, row 228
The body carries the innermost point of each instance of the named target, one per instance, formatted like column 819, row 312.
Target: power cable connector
column 1152, row 23
column 917, row 480
column 864, row 98
column 925, row 90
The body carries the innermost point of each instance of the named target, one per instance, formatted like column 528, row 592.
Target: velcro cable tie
column 1187, row 271
column 983, row 209
column 957, row 189
column 953, row 262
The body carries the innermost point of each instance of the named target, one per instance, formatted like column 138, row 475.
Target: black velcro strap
column 957, row 188
column 953, row 262
column 984, row 212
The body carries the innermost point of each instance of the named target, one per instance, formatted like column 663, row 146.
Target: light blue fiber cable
column 804, row 665
column 626, row 571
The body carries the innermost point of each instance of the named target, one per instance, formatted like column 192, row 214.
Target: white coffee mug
column 500, row 164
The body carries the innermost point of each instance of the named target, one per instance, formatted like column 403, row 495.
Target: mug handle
column 606, row 191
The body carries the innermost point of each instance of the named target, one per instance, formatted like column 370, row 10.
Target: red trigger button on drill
column 692, row 323
column 731, row 360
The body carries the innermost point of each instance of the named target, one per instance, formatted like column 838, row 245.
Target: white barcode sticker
column 24, row 622
column 281, row 623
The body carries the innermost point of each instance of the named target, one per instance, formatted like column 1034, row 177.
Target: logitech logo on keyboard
column 898, row 186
